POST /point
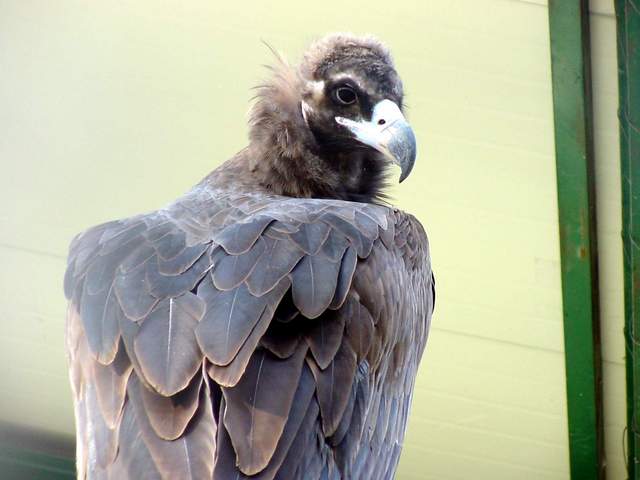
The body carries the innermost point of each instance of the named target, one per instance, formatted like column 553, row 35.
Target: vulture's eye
column 345, row 95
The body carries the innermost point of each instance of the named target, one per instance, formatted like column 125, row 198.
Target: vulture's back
column 236, row 334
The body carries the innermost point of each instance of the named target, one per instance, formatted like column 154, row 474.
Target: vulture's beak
column 388, row 132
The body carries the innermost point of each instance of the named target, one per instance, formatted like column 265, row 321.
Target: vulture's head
column 331, row 126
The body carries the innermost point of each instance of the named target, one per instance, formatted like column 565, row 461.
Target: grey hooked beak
column 388, row 132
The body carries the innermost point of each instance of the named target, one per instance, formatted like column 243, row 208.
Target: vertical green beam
column 571, row 76
column 628, row 23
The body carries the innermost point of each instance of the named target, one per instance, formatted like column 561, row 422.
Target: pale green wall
column 605, row 105
column 109, row 109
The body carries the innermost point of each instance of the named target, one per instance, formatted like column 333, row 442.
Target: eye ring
column 345, row 95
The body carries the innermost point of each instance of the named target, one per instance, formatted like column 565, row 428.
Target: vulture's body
column 250, row 329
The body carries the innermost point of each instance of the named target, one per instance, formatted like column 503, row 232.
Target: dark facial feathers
column 296, row 146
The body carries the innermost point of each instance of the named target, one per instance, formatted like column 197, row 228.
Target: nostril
column 382, row 121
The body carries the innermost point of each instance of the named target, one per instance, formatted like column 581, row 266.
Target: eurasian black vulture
column 268, row 323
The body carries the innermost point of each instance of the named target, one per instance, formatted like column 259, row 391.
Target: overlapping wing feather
column 234, row 335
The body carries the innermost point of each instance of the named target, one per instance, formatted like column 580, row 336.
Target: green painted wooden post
column 570, row 66
column 628, row 23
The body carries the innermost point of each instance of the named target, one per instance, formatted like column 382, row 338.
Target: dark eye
column 345, row 95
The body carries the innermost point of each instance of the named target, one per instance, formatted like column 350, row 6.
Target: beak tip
column 406, row 171
column 402, row 148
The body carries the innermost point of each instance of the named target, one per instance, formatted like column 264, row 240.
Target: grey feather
column 165, row 286
column 230, row 317
column 111, row 385
column 277, row 261
column 231, row 270
column 314, row 282
column 181, row 262
column 100, row 314
column 310, row 237
column 239, row 237
column 325, row 337
column 188, row 457
column 169, row 416
column 171, row 245
column 132, row 290
column 345, row 276
column 230, row 375
column 166, row 346
column 258, row 407
column 333, row 387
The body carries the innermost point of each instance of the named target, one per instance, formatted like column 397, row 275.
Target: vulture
column 268, row 324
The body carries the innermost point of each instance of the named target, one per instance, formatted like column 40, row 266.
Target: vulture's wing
column 235, row 335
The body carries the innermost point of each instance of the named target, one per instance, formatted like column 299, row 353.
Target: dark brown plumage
column 263, row 325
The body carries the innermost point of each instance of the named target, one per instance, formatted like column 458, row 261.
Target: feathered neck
column 285, row 158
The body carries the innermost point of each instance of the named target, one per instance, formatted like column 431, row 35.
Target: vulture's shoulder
column 229, row 285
